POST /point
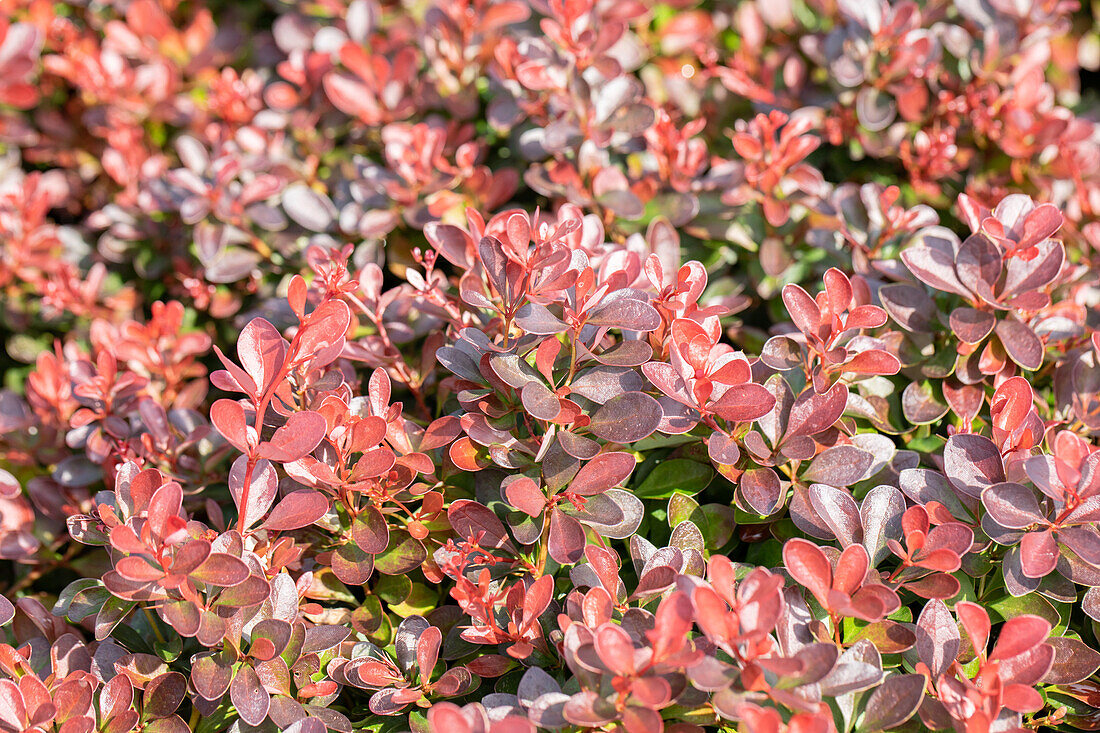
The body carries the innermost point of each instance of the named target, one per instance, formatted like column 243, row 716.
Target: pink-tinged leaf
column 628, row 314
column 228, row 417
column 812, row 413
column 221, row 569
column 566, row 540
column 451, row 242
column 802, row 308
column 264, row 485
column 743, row 403
column 138, row 569
column 233, row 378
column 262, row 351
column 602, row 473
column 851, row 569
column 761, row 490
column 1024, row 276
column 249, row 696
column 537, row 319
column 1012, row 506
column 189, row 556
column 440, row 432
column 164, row 510
column 1022, row 698
column 972, row 463
column 808, row 566
column 865, row 316
column 301, row 434
column 471, row 519
column 1038, row 553
column 615, row 649
column 427, row 652
column 537, row 599
column 298, row 509
column 627, row 418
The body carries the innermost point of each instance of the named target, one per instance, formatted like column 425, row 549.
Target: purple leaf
column 841, row 465
column 972, row 463
column 537, row 319
column 469, row 518
column 893, row 702
column 1012, row 506
column 1073, row 661
column 761, row 490
column 626, row 418
column 838, row 510
column 938, row 640
column 249, row 696
column 627, row 314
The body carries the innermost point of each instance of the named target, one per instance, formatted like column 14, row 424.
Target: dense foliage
column 486, row 366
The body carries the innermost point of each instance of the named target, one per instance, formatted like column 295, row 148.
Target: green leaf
column 420, row 600
column 679, row 475
column 1033, row 603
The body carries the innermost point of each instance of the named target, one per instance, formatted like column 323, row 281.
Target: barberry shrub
column 489, row 366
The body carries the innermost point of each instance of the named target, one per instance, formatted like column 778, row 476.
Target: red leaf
column 1020, row 634
column 812, row 413
column 808, row 566
column 525, row 495
column 297, row 509
column 602, row 473
column 743, row 402
column 228, row 417
column 221, row 569
column 566, row 540
column 262, row 351
column 301, row 434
